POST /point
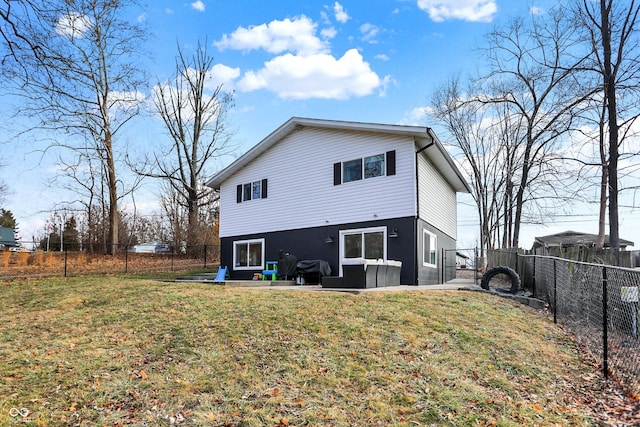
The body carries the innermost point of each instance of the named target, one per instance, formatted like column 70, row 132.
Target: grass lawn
column 114, row 351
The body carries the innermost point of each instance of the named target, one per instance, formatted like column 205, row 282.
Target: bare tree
column 15, row 16
column 533, row 71
column 195, row 117
column 86, row 84
column 483, row 155
column 612, row 31
column 3, row 189
column 488, row 138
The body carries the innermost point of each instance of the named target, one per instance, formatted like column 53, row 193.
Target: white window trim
column 360, row 231
column 235, row 243
column 429, row 235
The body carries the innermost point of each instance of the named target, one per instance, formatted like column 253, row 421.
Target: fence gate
column 460, row 263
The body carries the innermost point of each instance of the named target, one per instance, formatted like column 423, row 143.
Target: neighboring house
column 570, row 238
column 335, row 190
column 7, row 238
column 462, row 260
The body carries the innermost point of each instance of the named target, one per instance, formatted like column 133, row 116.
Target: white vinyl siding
column 437, row 199
column 302, row 194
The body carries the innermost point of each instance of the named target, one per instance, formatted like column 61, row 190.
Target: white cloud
column 382, row 57
column 73, row 25
column 415, row 117
column 466, row 10
column 222, row 75
column 341, row 15
column 125, row 100
column 123, row 103
column 198, row 5
column 315, row 76
column 167, row 94
column 297, row 35
column 168, row 11
column 369, row 32
column 328, row 33
column 535, row 10
column 141, row 18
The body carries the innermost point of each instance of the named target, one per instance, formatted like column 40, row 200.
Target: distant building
column 569, row 239
column 462, row 260
column 7, row 238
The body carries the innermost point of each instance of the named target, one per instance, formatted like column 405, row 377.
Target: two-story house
column 335, row 190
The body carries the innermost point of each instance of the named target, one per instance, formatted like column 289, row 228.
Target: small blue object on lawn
column 270, row 270
column 222, row 275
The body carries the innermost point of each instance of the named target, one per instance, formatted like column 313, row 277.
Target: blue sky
column 371, row 61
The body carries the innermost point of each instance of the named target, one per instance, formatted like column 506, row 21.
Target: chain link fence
column 598, row 303
column 125, row 259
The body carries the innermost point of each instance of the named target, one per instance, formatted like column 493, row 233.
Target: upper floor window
column 251, row 191
column 365, row 167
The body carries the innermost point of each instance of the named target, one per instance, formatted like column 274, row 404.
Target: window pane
column 241, row 255
column 246, row 192
column 257, row 190
column 352, row 170
column 374, row 245
column 432, row 254
column 429, row 248
column 374, row 166
column 255, row 254
column 353, row 245
column 426, row 248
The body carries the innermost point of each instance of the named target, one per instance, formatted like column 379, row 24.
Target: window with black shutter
column 254, row 190
column 365, row 168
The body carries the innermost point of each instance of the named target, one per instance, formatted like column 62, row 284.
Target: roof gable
column 574, row 238
column 423, row 136
column 7, row 237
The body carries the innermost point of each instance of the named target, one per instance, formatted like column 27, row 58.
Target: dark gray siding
column 310, row 243
column 429, row 275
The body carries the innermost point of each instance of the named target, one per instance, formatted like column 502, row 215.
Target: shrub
column 37, row 258
column 22, row 258
column 5, row 258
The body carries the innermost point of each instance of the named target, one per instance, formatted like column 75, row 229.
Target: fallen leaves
column 274, row 392
column 145, row 353
column 139, row 375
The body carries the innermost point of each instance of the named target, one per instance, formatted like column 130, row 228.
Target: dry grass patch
column 116, row 351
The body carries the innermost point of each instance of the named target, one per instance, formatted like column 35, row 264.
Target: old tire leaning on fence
column 513, row 276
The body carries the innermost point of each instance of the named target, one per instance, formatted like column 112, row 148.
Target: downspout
column 418, row 250
column 420, row 150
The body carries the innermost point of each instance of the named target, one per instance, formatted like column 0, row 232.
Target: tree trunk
column 520, row 194
column 610, row 94
column 112, row 187
column 604, row 180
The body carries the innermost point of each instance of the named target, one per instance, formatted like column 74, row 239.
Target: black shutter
column 337, row 173
column 239, row 193
column 264, row 188
column 391, row 162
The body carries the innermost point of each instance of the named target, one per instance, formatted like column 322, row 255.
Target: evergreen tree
column 7, row 220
